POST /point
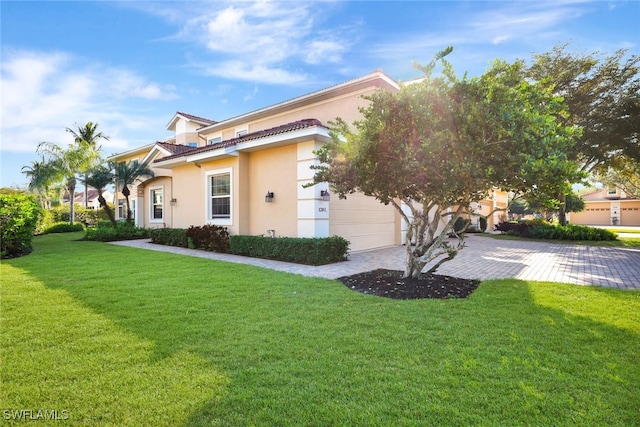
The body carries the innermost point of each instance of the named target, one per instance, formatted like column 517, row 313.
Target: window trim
column 242, row 131
column 151, row 204
column 214, row 140
column 208, row 218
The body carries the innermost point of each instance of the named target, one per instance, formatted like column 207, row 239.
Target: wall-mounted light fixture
column 269, row 197
column 173, row 202
column 325, row 195
column 479, row 206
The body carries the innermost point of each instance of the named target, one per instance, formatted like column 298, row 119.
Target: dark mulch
column 390, row 284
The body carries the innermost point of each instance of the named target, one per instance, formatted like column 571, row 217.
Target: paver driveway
column 483, row 258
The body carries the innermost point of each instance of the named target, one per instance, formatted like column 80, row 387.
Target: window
column 612, row 191
column 219, row 195
column 156, row 204
column 215, row 140
column 192, row 144
column 121, row 209
column 242, row 132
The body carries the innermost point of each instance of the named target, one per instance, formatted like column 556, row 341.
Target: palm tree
column 99, row 177
column 88, row 137
column 64, row 164
column 41, row 177
column 127, row 173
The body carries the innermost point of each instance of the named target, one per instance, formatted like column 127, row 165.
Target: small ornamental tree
column 439, row 145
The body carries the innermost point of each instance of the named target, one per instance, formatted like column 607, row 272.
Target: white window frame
column 214, row 140
column 151, row 191
column 208, row 214
column 242, row 131
column 122, row 209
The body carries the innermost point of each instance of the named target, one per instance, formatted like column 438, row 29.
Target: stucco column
column 313, row 212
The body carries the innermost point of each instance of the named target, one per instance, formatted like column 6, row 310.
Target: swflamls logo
column 35, row 414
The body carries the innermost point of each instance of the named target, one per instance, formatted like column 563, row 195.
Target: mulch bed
column 390, row 284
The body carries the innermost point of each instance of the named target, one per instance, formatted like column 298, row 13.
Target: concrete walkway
column 483, row 258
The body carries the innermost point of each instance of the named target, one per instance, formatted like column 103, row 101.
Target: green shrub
column 460, row 224
column 570, row 232
column 169, row 236
column 311, row 251
column 89, row 217
column 483, row 224
column 208, row 237
column 110, row 233
column 540, row 229
column 19, row 214
column 63, row 227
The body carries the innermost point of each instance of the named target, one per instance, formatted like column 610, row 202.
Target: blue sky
column 129, row 66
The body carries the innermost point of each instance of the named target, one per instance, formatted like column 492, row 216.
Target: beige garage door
column 630, row 214
column 362, row 220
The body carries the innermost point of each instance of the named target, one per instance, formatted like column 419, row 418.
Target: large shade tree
column 602, row 94
column 128, row 173
column 439, row 145
column 625, row 175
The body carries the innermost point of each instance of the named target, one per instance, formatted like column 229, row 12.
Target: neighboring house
column 247, row 173
column 608, row 206
column 92, row 196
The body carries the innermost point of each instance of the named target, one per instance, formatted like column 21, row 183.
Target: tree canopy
column 440, row 144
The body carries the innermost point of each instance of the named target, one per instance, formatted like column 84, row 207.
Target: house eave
column 315, row 133
column 330, row 92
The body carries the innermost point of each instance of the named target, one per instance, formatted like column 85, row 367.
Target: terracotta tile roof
column 197, row 119
column 289, row 127
column 175, row 148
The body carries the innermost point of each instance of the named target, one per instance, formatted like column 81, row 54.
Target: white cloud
column 265, row 34
column 43, row 93
column 238, row 70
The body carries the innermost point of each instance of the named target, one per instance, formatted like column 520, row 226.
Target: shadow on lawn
column 305, row 351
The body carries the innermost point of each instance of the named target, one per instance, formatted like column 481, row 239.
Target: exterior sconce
column 325, row 195
column 479, row 206
column 269, row 197
column 173, row 202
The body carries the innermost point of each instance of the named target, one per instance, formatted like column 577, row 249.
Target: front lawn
column 111, row 335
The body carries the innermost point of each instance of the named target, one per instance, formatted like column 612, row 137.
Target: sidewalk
column 484, row 258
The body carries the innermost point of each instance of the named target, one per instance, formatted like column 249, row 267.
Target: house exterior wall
column 275, row 171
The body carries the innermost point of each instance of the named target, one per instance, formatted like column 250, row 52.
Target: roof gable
column 189, row 118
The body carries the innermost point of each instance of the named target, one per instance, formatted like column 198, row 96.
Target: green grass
column 119, row 336
column 624, row 230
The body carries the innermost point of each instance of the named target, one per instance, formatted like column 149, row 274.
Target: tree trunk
column 105, row 206
column 71, row 187
column 126, row 192
column 562, row 211
column 430, row 245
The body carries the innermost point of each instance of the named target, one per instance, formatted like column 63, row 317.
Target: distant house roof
column 278, row 130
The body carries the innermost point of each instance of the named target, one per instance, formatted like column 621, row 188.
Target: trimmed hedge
column 169, row 237
column 539, row 229
column 111, row 234
column 310, row 251
column 208, row 237
column 63, row 227
column 19, row 214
